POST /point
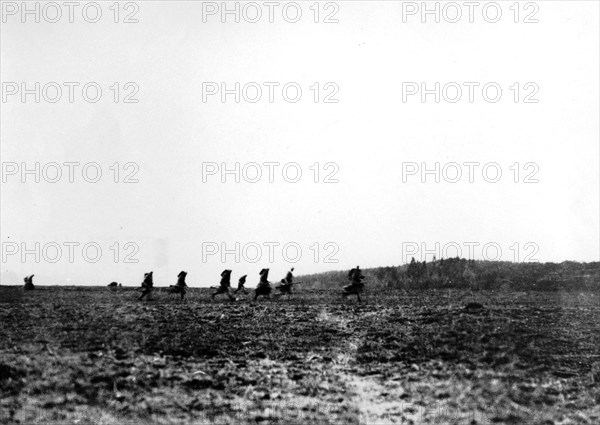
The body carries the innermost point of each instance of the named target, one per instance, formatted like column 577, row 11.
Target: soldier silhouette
column 180, row 287
column 356, row 283
column 28, row 283
column 241, row 284
column 285, row 286
column 224, row 285
column 264, row 286
column 147, row 286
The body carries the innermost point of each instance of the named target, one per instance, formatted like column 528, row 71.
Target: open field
column 89, row 355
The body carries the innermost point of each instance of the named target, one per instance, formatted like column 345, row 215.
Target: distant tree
column 413, row 269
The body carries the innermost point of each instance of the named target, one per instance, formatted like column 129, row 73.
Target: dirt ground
column 95, row 356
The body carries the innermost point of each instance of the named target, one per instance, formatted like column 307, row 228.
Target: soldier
column 28, row 283
column 356, row 283
column 181, row 286
column 147, row 286
column 285, row 286
column 264, row 286
column 241, row 284
column 224, row 285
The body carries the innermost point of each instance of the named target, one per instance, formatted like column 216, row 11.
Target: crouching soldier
column 28, row 283
column 264, row 286
column 356, row 283
column 285, row 286
column 241, row 284
column 147, row 286
column 114, row 286
column 225, row 285
column 181, row 286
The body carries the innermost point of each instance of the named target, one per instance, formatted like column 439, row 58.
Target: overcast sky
column 370, row 216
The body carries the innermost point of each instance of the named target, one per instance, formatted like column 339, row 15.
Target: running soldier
column 28, row 283
column 264, row 286
column 147, row 286
column 181, row 286
column 241, row 284
column 356, row 283
column 225, row 285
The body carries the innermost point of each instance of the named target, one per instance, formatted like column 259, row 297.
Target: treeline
column 472, row 274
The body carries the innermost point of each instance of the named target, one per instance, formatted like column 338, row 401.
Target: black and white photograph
column 300, row 212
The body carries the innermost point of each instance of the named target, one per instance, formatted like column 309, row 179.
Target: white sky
column 369, row 133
